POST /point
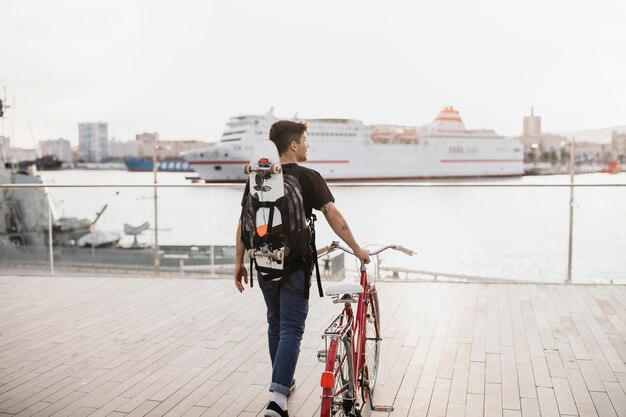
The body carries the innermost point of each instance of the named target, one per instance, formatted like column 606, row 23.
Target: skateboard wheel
column 250, row 253
column 247, row 169
column 278, row 255
column 275, row 169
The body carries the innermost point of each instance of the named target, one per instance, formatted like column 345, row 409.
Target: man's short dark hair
column 283, row 132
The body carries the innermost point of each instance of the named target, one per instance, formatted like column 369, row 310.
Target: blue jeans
column 287, row 309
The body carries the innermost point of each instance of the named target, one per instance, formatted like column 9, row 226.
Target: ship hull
column 376, row 163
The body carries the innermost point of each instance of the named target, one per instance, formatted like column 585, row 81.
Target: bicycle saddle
column 347, row 286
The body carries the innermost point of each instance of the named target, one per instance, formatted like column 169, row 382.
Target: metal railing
column 219, row 255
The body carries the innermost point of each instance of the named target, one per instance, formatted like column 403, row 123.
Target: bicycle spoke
column 372, row 346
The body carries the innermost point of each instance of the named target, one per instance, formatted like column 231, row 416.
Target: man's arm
column 240, row 274
column 341, row 228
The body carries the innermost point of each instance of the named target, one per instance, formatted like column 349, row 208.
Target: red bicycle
column 352, row 344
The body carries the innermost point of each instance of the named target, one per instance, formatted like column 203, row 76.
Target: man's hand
column 363, row 254
column 240, row 275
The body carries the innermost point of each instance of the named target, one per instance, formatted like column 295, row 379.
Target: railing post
column 212, row 247
column 155, row 168
column 571, row 208
column 51, row 249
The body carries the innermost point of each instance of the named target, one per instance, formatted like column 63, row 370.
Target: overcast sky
column 181, row 68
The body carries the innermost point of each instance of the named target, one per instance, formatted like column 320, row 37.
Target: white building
column 93, row 142
column 618, row 140
column 59, row 147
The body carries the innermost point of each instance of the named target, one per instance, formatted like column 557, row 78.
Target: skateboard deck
column 266, row 184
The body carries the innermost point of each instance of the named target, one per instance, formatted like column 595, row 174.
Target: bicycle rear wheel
column 372, row 346
column 339, row 400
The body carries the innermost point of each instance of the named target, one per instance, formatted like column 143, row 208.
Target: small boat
column 613, row 167
column 45, row 163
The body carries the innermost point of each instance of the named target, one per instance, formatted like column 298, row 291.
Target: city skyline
column 184, row 70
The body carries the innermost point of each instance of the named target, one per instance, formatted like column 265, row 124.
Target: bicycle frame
column 348, row 333
column 356, row 323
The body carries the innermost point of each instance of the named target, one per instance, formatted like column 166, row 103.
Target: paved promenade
column 104, row 346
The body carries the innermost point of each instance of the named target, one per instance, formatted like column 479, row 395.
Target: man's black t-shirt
column 315, row 191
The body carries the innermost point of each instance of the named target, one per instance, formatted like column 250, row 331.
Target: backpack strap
column 317, row 267
column 251, row 271
column 270, row 221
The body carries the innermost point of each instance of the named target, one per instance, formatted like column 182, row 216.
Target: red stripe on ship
column 383, row 179
column 245, row 162
column 480, row 160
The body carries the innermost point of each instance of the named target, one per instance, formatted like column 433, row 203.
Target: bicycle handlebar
column 335, row 245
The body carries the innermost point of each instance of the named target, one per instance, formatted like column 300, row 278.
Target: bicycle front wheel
column 372, row 346
column 339, row 401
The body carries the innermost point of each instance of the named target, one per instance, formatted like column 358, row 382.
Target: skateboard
column 266, row 185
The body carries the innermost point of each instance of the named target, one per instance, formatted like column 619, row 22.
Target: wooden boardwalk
column 106, row 346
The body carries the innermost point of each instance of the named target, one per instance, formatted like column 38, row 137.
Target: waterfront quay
column 120, row 346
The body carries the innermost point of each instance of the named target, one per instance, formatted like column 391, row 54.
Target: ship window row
column 234, row 132
column 230, row 140
column 331, row 134
column 461, row 149
column 465, row 137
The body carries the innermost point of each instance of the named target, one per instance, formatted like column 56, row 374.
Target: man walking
column 286, row 299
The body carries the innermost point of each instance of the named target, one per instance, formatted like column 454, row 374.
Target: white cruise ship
column 348, row 150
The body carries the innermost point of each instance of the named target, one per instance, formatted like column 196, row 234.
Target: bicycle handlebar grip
column 405, row 250
column 323, row 250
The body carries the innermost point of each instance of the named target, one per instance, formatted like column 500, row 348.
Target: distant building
column 20, row 154
column 532, row 125
column 123, row 150
column 593, row 152
column 618, row 141
column 167, row 148
column 146, row 142
column 538, row 146
column 143, row 147
column 59, row 147
column 173, row 148
column 93, row 142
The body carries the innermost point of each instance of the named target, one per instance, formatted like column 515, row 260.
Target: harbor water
column 517, row 233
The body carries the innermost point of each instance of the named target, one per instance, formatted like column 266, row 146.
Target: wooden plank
column 475, row 404
column 603, row 404
column 492, row 368
column 527, row 387
column 547, row 402
column 578, row 387
column 564, row 397
column 493, row 400
column 590, row 374
column 476, row 383
column 530, row 407
column 439, row 399
column 541, row 372
column 617, row 396
column 510, row 381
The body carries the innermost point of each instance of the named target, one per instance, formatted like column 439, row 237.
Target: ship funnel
column 449, row 119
